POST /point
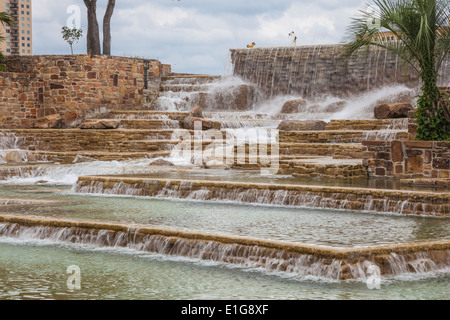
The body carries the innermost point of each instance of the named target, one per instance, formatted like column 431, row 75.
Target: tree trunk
column 107, row 27
column 93, row 36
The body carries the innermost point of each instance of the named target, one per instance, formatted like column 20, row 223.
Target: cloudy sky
column 195, row 36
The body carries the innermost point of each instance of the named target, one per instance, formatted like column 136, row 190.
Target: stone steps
column 359, row 199
column 148, row 115
column 66, row 157
column 340, row 136
column 189, row 79
column 325, row 261
column 368, row 125
column 342, row 151
column 324, row 168
column 151, row 124
column 184, row 88
column 70, row 157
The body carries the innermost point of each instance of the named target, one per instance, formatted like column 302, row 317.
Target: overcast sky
column 195, row 36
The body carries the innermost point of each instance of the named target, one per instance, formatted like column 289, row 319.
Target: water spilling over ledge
column 314, row 71
column 400, row 202
column 235, row 216
column 336, row 263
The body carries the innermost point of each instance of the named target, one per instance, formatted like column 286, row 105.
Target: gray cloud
column 196, row 35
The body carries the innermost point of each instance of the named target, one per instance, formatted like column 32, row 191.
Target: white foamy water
column 356, row 107
column 69, row 174
column 10, row 142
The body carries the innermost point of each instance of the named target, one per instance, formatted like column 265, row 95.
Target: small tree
column 71, row 35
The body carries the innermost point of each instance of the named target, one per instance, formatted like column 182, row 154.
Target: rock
column 197, row 112
column 392, row 110
column 81, row 159
column 14, row 157
column 216, row 164
column 162, row 163
column 100, row 124
column 41, row 182
column 294, row 106
column 189, row 123
column 307, row 125
column 335, row 107
column 49, row 122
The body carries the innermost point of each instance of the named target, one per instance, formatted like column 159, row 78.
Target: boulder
column 162, row 163
column 14, row 157
column 197, row 112
column 307, row 125
column 294, row 106
column 392, row 110
column 189, row 123
column 52, row 121
column 100, row 124
column 335, row 107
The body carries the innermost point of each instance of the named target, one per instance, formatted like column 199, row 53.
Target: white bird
column 293, row 38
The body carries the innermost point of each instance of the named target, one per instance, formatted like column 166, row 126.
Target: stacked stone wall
column 72, row 86
column 408, row 159
column 315, row 71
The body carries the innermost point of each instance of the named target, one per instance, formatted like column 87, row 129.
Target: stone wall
column 314, row 71
column 408, row 159
column 72, row 86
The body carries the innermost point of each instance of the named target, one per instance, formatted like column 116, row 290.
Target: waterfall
column 303, row 260
column 267, row 194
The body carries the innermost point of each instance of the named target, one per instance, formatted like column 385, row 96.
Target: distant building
column 390, row 36
column 18, row 38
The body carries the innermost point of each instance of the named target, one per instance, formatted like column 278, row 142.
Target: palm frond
column 418, row 25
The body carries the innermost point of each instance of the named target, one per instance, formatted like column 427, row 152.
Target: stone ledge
column 443, row 183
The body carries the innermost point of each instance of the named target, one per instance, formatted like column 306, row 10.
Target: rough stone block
column 414, row 165
column 397, row 151
column 392, row 110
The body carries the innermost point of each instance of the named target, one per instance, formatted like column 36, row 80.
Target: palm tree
column 423, row 41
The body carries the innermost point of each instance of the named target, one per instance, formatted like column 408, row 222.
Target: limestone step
column 31, row 157
column 148, row 115
column 325, row 261
column 359, row 199
column 339, row 136
column 327, row 143
column 189, row 79
column 76, row 140
column 384, row 124
column 151, row 124
column 342, row 151
column 184, row 88
column 324, row 168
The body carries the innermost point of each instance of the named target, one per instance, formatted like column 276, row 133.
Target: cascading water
column 332, row 264
column 10, row 142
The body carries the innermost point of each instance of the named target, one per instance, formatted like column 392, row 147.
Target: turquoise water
column 38, row 270
column 301, row 225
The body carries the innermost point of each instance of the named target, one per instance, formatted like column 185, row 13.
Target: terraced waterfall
column 320, row 220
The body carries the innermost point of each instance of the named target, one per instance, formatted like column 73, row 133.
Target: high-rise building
column 19, row 37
